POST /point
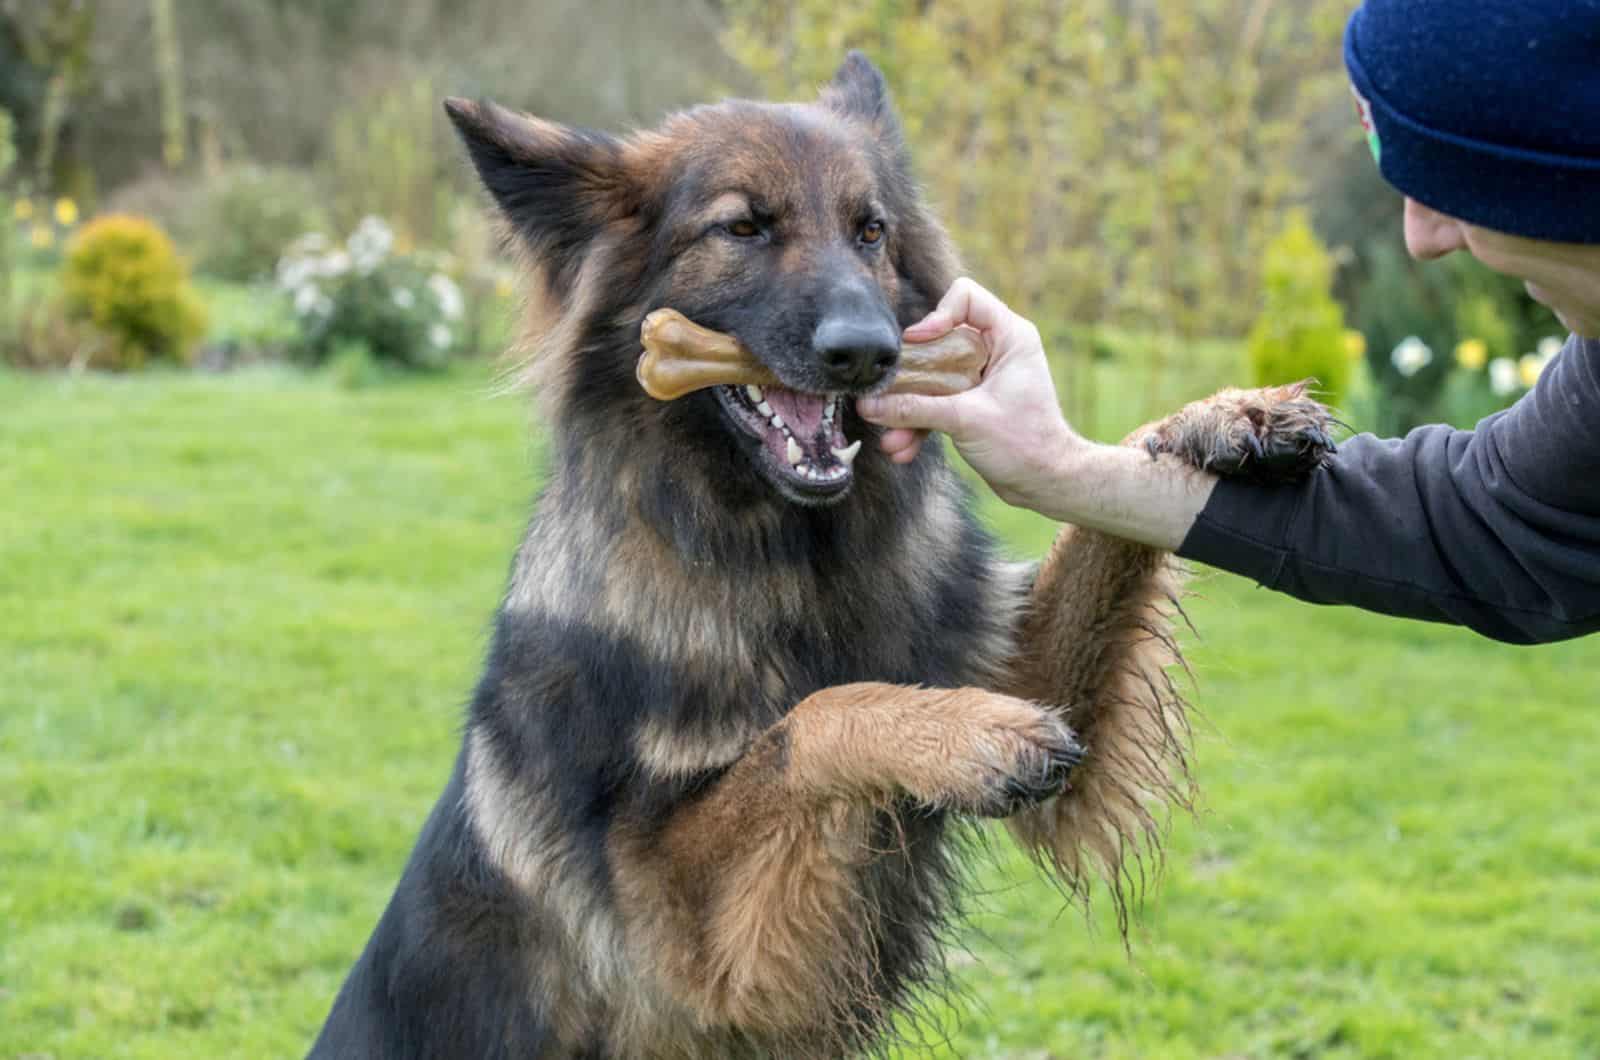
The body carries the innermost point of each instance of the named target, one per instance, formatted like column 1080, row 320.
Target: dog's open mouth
column 803, row 446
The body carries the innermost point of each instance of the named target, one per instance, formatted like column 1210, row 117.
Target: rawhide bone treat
column 681, row 357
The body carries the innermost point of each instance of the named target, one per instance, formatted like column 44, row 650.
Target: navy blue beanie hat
column 1486, row 110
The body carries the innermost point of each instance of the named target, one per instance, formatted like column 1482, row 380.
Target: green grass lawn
column 240, row 616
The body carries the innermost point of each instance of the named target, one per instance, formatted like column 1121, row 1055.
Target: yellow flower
column 1355, row 345
column 1472, row 354
column 41, row 237
column 23, row 210
column 66, row 212
column 1529, row 365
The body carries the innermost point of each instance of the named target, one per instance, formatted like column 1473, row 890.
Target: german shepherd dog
column 740, row 708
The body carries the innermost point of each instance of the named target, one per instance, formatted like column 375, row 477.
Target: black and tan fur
column 713, row 778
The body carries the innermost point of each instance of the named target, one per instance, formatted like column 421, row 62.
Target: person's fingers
column 896, row 439
column 912, row 410
column 909, row 453
column 1005, row 333
column 902, row 445
column 930, row 327
column 967, row 302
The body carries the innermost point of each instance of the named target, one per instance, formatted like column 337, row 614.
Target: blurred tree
column 8, row 158
column 273, row 71
column 54, row 37
column 389, row 154
column 1300, row 333
column 353, row 90
column 169, row 67
column 1100, row 161
column 103, row 91
column 73, row 76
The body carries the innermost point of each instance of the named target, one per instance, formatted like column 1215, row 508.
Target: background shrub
column 44, row 337
column 1300, row 333
column 167, row 199
column 249, row 215
column 123, row 276
column 403, row 308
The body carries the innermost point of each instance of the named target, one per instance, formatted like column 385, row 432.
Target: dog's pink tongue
column 802, row 412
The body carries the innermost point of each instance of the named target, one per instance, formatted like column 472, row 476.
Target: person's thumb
column 912, row 410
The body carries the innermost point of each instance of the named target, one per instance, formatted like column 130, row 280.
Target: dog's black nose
column 855, row 351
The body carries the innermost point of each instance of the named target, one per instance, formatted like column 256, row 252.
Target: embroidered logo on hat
column 1364, row 115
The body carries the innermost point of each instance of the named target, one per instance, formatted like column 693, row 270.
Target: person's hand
column 1009, row 427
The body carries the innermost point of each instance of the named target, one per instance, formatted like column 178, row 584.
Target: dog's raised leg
column 1096, row 641
column 747, row 903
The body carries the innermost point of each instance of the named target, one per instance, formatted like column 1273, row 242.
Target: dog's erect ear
column 858, row 90
column 557, row 186
column 922, row 251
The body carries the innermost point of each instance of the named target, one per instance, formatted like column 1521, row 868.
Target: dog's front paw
column 1003, row 755
column 1041, row 771
column 1274, row 434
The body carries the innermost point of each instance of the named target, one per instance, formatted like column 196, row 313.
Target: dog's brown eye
column 744, row 229
column 872, row 232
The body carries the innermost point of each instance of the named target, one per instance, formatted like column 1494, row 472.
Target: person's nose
column 1431, row 234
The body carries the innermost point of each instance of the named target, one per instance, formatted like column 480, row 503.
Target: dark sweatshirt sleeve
column 1496, row 528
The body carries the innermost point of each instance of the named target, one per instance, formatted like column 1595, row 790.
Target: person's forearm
column 1125, row 492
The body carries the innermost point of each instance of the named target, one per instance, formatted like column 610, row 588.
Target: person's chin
column 1585, row 325
column 1581, row 326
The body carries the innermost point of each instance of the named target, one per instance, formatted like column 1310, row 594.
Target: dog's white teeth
column 794, row 453
column 753, row 392
column 776, row 420
column 827, row 410
column 847, row 455
column 761, row 406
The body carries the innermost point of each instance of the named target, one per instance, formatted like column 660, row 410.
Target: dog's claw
column 1047, row 781
column 1271, row 435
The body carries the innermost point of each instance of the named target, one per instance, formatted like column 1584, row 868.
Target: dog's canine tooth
column 794, row 453
column 847, row 455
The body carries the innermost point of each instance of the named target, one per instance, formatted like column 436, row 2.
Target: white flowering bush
column 403, row 308
column 1479, row 385
column 1411, row 356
